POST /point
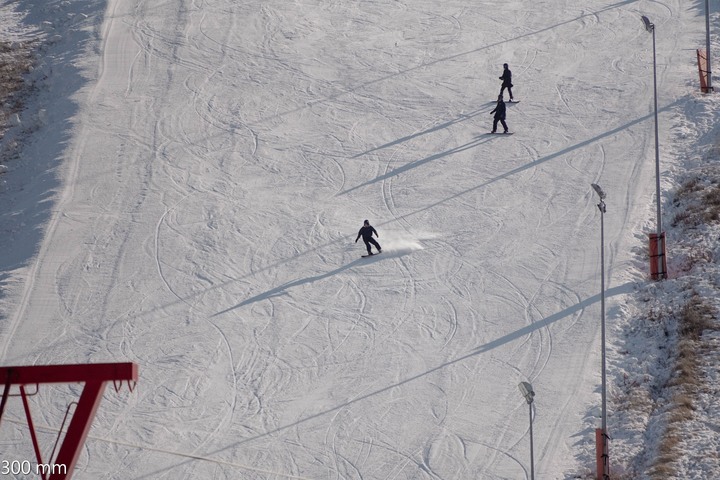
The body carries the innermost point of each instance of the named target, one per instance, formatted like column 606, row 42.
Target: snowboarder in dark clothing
column 366, row 232
column 499, row 112
column 506, row 77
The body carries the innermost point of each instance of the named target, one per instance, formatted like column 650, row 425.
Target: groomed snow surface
column 190, row 179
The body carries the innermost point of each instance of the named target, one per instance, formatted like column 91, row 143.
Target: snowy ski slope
column 214, row 162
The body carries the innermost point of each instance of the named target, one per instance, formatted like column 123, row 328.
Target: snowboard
column 371, row 255
column 500, row 133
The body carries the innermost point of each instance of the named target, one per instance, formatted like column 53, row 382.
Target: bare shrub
column 691, row 257
column 679, row 218
column 687, row 188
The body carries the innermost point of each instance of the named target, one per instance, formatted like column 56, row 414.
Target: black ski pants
column 495, row 122
column 371, row 241
column 502, row 89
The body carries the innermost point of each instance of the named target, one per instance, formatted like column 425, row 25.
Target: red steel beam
column 95, row 376
column 92, row 372
column 78, row 430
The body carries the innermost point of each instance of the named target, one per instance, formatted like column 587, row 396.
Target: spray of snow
column 402, row 242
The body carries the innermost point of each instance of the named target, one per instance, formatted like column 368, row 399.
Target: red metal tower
column 95, row 377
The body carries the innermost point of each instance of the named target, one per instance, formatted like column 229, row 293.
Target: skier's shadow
column 282, row 289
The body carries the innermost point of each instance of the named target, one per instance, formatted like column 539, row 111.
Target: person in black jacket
column 506, row 77
column 366, row 232
column 499, row 112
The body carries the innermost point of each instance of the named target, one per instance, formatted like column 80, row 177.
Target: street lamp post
column 707, row 45
column 650, row 27
column 603, row 456
column 527, row 391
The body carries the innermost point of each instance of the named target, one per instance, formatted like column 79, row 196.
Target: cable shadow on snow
column 527, row 330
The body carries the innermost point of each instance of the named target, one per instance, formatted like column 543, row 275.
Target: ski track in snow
column 222, row 160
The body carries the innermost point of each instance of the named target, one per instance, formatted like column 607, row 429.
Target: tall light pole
column 603, row 453
column 707, row 45
column 650, row 27
column 527, row 391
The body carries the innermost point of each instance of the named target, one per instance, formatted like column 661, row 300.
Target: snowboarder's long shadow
column 472, row 144
column 282, row 289
column 435, row 128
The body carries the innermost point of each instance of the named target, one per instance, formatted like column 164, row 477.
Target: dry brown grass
column 16, row 60
column 696, row 316
column 682, row 410
column 664, row 470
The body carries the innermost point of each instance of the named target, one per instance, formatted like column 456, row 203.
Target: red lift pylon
column 95, row 377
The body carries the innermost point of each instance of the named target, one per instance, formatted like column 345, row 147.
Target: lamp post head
column 598, row 190
column 527, row 391
column 649, row 26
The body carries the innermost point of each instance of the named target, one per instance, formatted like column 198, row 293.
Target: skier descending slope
column 366, row 232
column 499, row 112
column 506, row 77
